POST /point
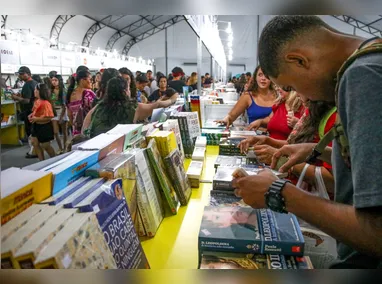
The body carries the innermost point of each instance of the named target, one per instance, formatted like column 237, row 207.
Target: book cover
column 177, row 174
column 132, row 133
column 66, row 192
column 17, row 194
column 141, row 229
column 94, row 170
column 120, row 235
column 224, row 198
column 73, row 168
column 160, row 171
column 226, row 260
column 247, row 230
column 232, row 229
column 223, row 177
column 281, row 233
column 173, row 125
column 80, row 244
column 199, row 154
column 148, row 200
column 82, row 193
column 10, row 246
column 27, row 254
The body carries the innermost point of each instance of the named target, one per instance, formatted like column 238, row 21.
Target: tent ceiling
column 371, row 24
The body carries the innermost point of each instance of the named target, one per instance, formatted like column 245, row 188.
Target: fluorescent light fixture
column 230, row 52
column 230, row 37
column 230, row 57
column 229, row 28
column 229, row 44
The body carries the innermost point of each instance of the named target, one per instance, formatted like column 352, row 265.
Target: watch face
column 273, row 202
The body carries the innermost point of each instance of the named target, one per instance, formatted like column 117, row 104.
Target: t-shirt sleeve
column 47, row 109
column 170, row 92
column 154, row 96
column 360, row 100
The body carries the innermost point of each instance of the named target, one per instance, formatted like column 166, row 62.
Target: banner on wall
column 9, row 52
column 51, row 57
column 68, row 59
column 30, row 55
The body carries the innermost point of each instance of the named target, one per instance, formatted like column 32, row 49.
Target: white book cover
column 99, row 142
column 195, row 169
column 124, row 128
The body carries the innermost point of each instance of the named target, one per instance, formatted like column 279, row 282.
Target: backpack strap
column 324, row 121
column 337, row 132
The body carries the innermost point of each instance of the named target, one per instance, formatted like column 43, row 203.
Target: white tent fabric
column 181, row 40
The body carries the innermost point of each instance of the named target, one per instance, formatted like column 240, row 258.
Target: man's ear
column 297, row 59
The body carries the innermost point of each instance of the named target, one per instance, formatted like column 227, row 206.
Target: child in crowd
column 41, row 119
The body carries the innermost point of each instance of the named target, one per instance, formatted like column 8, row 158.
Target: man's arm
column 361, row 229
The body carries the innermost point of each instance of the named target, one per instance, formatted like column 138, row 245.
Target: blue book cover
column 119, row 232
column 248, row 230
column 55, row 199
column 231, row 229
column 74, row 201
column 281, row 233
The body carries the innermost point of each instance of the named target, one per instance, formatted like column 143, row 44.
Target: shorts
column 43, row 132
column 58, row 112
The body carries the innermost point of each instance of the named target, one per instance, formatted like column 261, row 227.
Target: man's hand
column 297, row 154
column 15, row 97
column 254, row 125
column 253, row 188
column 255, row 140
column 264, row 153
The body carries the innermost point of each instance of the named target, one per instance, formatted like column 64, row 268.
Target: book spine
column 275, row 261
column 141, row 227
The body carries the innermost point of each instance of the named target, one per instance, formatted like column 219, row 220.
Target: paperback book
column 178, row 177
column 173, row 125
column 247, row 230
column 168, row 190
column 224, row 198
column 194, row 173
column 80, row 244
column 149, row 201
column 226, row 260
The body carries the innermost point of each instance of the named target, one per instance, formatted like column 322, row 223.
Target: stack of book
column 246, row 238
column 194, row 173
column 230, row 147
column 189, row 129
column 214, row 135
column 237, row 161
column 85, row 225
column 132, row 133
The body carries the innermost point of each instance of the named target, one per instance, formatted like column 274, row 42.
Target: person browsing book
column 307, row 55
column 117, row 107
column 164, row 92
column 257, row 102
column 41, row 119
column 286, row 111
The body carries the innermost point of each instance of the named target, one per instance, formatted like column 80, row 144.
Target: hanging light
column 230, row 57
column 229, row 28
column 230, row 37
column 229, row 44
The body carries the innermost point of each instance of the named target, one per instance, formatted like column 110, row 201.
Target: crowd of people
column 88, row 104
column 300, row 94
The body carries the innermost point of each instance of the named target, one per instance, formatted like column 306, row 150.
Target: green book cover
column 160, row 171
column 178, row 176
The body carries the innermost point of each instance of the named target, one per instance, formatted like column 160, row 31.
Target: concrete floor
column 14, row 156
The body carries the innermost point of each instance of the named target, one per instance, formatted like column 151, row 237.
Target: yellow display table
column 175, row 245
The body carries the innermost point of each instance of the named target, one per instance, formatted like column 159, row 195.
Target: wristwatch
column 273, row 198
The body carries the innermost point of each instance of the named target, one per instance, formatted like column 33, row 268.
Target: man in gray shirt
column 304, row 54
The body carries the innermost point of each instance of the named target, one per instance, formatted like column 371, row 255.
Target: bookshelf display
column 175, row 245
column 11, row 128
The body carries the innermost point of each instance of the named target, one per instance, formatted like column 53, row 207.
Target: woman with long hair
column 129, row 76
column 194, row 80
column 106, row 76
column 79, row 99
column 61, row 119
column 318, row 118
column 286, row 111
column 117, row 107
column 40, row 118
column 257, row 101
column 96, row 82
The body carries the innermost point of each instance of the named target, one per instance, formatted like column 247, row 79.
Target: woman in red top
column 315, row 122
column 41, row 118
